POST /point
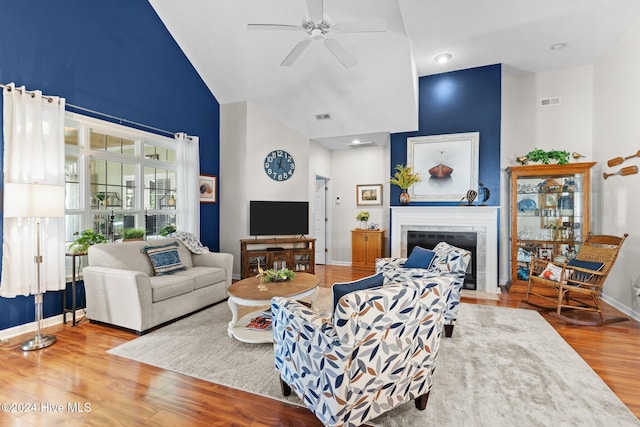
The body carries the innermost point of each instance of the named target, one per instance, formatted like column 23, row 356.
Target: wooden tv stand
column 298, row 252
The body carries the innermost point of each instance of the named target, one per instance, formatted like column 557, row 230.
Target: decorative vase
column 363, row 224
column 404, row 198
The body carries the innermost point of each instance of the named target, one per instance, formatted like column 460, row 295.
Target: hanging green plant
column 545, row 157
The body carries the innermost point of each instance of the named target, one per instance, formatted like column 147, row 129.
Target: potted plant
column 545, row 157
column 86, row 239
column 363, row 217
column 282, row 275
column 168, row 230
column 404, row 178
column 129, row 234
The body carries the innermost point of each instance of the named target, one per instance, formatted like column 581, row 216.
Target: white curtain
column 33, row 152
column 187, row 186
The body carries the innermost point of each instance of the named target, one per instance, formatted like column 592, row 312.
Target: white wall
column 320, row 166
column 597, row 117
column 527, row 125
column 247, row 134
column 369, row 165
column 234, row 215
column 616, row 128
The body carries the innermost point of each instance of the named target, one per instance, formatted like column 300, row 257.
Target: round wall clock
column 279, row 165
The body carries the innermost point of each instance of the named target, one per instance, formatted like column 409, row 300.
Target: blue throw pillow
column 341, row 289
column 164, row 258
column 419, row 258
column 589, row 265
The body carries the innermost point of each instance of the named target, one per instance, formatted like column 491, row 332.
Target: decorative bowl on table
column 282, row 275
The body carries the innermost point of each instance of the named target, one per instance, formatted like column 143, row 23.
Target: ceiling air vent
column 545, row 102
column 325, row 116
column 362, row 144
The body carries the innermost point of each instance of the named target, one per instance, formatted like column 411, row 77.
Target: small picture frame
column 207, row 188
column 545, row 253
column 369, row 195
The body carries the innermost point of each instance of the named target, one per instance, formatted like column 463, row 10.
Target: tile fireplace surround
column 480, row 219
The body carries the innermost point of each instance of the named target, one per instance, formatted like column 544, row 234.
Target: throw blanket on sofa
column 190, row 241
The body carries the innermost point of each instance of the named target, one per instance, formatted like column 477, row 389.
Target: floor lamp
column 35, row 201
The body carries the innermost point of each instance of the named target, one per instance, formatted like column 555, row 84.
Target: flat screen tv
column 271, row 218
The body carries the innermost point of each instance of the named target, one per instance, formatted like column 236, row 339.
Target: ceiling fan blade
column 339, row 52
column 295, row 53
column 361, row 26
column 273, row 27
column 315, row 10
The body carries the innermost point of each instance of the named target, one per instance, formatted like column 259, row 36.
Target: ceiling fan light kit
column 318, row 27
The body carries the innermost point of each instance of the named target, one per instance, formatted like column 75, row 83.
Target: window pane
column 97, row 141
column 100, row 224
column 149, row 181
column 72, row 226
column 114, row 173
column 72, row 183
column 167, row 154
column 71, row 136
column 128, row 147
column 150, row 152
column 154, row 152
column 98, row 171
column 156, row 224
column 114, row 196
column 111, row 144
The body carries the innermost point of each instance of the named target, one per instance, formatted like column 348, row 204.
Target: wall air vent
column 325, row 116
column 545, row 102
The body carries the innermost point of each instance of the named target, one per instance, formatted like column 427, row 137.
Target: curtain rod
column 120, row 120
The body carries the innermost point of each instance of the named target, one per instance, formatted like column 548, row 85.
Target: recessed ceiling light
column 559, row 46
column 443, row 58
column 355, row 142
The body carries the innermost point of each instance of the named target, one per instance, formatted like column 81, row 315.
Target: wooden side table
column 71, row 310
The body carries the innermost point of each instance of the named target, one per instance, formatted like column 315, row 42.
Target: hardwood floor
column 52, row 386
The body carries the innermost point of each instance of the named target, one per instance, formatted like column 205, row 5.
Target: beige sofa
column 123, row 290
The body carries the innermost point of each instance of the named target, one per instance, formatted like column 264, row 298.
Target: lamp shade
column 33, row 200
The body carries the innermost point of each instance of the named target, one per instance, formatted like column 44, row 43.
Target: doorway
column 321, row 219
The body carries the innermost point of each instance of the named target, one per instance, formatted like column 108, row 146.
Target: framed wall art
column 369, row 195
column 208, row 188
column 448, row 165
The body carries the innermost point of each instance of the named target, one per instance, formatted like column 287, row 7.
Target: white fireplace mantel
column 481, row 219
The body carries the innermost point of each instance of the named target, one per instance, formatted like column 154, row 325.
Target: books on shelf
column 260, row 323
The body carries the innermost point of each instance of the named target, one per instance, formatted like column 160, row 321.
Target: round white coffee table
column 246, row 293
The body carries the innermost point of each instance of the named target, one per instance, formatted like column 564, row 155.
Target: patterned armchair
column 448, row 261
column 379, row 352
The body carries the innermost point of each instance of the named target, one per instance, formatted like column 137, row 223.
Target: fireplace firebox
column 463, row 240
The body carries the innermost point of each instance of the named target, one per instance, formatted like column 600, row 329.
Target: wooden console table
column 298, row 252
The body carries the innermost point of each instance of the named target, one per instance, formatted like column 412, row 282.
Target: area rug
column 503, row 367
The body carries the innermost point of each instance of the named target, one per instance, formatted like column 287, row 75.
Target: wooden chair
column 576, row 285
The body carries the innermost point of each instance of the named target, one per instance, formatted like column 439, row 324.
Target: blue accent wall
column 456, row 102
column 115, row 57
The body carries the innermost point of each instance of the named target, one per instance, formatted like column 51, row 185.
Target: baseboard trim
column 623, row 308
column 342, row 263
column 31, row 327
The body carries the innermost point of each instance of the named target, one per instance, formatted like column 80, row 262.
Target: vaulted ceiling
column 378, row 94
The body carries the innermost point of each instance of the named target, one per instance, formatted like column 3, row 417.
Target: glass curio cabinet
column 550, row 209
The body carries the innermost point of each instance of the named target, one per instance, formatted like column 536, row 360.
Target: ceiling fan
column 318, row 26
